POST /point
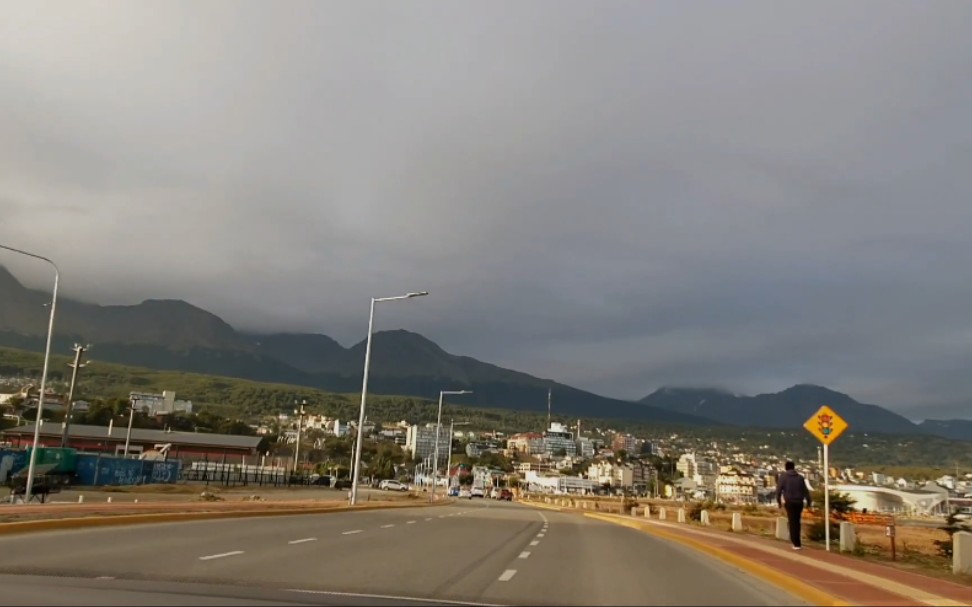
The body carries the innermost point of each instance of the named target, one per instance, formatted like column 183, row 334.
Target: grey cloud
column 619, row 196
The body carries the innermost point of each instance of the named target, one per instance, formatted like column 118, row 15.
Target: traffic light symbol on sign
column 825, row 423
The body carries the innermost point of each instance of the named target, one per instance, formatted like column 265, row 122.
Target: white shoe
column 798, row 547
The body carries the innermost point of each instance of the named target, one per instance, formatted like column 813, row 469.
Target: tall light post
column 28, row 489
column 438, row 427
column 131, row 417
column 452, row 433
column 364, row 388
column 300, row 417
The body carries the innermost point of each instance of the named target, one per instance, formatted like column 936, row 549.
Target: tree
column 841, row 503
column 952, row 524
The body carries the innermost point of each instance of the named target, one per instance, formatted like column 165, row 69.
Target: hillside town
column 560, row 460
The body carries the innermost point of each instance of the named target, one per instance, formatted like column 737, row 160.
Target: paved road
column 476, row 551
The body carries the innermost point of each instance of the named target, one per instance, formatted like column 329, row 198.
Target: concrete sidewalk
column 818, row 576
column 847, row 580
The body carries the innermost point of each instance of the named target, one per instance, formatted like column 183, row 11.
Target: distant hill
column 958, row 429
column 787, row 409
column 174, row 335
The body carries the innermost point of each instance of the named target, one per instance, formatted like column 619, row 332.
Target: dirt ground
column 192, row 497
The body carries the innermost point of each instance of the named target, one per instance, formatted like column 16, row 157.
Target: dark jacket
column 792, row 488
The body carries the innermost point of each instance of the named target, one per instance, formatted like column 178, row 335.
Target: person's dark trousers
column 794, row 510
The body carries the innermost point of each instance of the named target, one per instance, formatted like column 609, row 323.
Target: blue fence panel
column 98, row 470
column 11, row 462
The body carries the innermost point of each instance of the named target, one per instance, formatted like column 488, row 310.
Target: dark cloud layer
column 619, row 195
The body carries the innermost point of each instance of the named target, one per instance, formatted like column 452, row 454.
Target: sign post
column 826, row 425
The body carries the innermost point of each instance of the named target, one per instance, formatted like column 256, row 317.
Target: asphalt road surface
column 478, row 551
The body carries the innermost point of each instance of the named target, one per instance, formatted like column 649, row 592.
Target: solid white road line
column 351, row 532
column 507, row 575
column 391, row 597
column 301, row 541
column 524, row 555
column 221, row 555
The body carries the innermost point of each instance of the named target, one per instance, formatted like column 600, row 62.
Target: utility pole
column 549, row 403
column 77, row 364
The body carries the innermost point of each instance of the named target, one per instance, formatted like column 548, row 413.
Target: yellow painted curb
column 804, row 591
column 172, row 517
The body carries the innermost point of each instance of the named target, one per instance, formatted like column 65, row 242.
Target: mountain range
column 175, row 335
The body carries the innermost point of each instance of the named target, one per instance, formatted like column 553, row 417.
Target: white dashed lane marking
column 303, row 540
column 524, row 555
column 351, row 532
column 388, row 526
column 534, row 542
column 220, row 555
column 507, row 575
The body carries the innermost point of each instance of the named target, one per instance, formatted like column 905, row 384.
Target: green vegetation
column 245, row 399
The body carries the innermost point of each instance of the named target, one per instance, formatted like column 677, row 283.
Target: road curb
column 174, row 517
column 795, row 587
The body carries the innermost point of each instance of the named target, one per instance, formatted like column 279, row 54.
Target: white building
column 559, row 484
column 159, row 404
column 688, row 466
column 558, row 438
column 609, row 473
column 736, row 487
column 585, row 447
column 886, row 499
column 529, row 443
column 420, row 442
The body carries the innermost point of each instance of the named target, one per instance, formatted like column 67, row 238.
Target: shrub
column 952, row 525
column 816, row 531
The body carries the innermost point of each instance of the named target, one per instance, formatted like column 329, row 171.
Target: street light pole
column 300, row 417
column 438, row 427
column 364, row 389
column 28, row 489
column 131, row 417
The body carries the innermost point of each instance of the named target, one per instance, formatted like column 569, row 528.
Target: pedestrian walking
column 791, row 491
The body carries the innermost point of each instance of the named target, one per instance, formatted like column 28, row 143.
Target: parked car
column 465, row 494
column 478, row 492
column 392, row 485
column 506, row 494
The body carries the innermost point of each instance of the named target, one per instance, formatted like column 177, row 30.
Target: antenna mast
column 549, row 401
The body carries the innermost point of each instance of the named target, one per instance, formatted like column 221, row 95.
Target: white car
column 478, row 492
column 465, row 494
column 390, row 485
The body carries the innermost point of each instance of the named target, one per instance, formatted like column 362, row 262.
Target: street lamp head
column 417, row 294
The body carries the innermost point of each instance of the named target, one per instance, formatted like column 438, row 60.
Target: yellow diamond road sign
column 826, row 425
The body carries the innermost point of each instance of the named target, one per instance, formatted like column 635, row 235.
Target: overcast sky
column 617, row 195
